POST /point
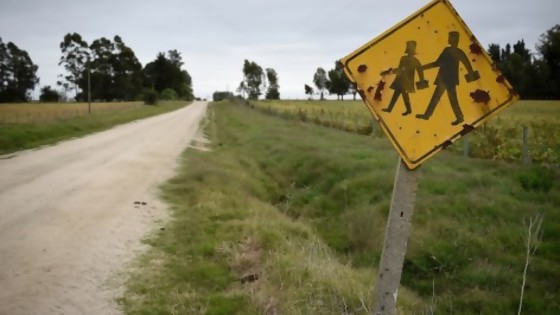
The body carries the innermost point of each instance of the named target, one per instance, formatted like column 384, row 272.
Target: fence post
column 526, row 157
column 466, row 145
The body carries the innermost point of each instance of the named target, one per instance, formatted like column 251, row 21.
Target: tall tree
column 272, row 92
column 338, row 83
column 320, row 80
column 75, row 55
column 18, row 74
column 494, row 52
column 127, row 70
column 549, row 50
column 165, row 73
column 253, row 77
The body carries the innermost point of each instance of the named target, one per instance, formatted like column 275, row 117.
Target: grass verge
column 18, row 136
column 288, row 218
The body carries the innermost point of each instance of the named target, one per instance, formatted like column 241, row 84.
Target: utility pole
column 89, row 90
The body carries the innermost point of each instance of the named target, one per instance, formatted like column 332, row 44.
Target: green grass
column 303, row 208
column 18, row 136
column 500, row 138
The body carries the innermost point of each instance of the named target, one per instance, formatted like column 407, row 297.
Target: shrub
column 150, row 97
column 169, row 95
column 536, row 178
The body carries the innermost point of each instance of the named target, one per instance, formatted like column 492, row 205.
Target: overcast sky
column 292, row 36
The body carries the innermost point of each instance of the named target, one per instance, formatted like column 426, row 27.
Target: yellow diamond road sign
column 428, row 81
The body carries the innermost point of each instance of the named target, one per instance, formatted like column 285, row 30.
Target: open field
column 284, row 217
column 47, row 112
column 500, row 138
column 24, row 126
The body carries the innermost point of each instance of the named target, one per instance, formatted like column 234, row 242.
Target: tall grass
column 284, row 217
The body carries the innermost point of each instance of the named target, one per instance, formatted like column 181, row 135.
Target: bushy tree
column 18, row 74
column 338, row 83
column 165, row 73
column 49, row 95
column 253, row 78
column 169, row 94
column 74, row 59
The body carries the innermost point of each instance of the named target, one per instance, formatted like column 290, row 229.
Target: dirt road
column 68, row 218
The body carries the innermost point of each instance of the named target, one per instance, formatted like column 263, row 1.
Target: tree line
column 533, row 76
column 108, row 68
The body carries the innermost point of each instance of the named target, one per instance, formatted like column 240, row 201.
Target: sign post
column 428, row 82
column 396, row 240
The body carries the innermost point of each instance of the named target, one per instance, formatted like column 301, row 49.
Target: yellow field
column 47, row 112
column 500, row 138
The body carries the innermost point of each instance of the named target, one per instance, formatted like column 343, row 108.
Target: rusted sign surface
column 428, row 81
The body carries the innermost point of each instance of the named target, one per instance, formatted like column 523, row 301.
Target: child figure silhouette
column 404, row 81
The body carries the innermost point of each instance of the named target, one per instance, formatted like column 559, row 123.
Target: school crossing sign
column 428, row 81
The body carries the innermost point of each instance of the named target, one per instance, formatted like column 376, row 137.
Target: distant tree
column 222, row 95
column 309, row 91
column 127, row 71
column 242, row 88
column 166, row 72
column 353, row 89
column 338, row 83
column 253, row 78
column 548, row 48
column 320, row 80
column 49, row 95
column 494, row 52
column 516, row 65
column 75, row 55
column 18, row 74
column 272, row 92
column 169, row 94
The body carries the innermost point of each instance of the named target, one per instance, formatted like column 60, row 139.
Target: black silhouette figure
column 404, row 81
column 448, row 77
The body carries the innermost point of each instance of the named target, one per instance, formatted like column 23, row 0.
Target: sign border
column 412, row 164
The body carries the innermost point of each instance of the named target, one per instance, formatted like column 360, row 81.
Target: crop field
column 500, row 138
column 23, row 113
column 25, row 126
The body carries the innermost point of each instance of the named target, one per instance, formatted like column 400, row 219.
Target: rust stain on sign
column 362, row 68
column 380, row 87
column 480, row 96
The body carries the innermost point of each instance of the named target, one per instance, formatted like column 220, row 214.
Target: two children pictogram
column 446, row 80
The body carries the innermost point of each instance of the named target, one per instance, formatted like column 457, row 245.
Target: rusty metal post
column 396, row 240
